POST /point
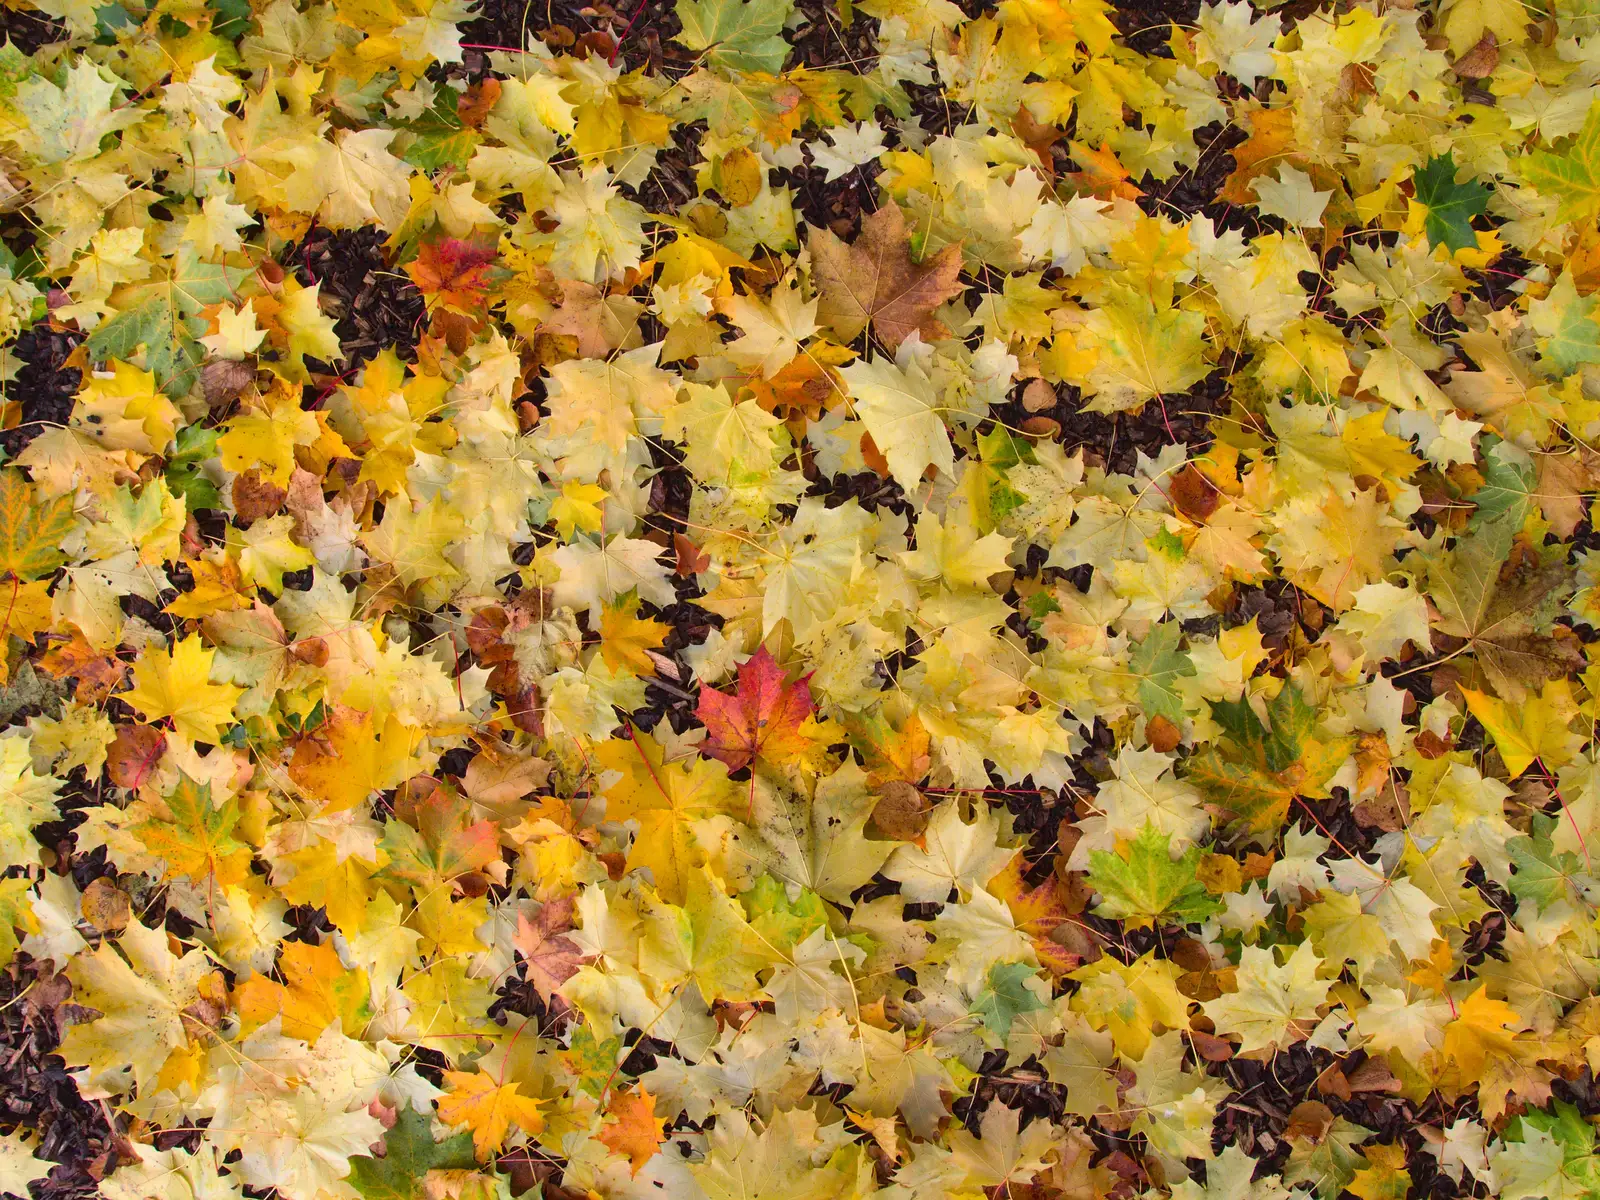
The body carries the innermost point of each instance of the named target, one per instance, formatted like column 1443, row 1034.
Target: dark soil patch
column 44, row 387
column 28, row 29
column 375, row 306
column 38, row 1092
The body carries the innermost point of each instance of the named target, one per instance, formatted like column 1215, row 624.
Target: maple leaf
column 489, row 1108
column 454, row 274
column 1573, row 177
column 1384, row 1177
column 410, row 1154
column 1503, row 614
column 347, row 759
column 198, row 840
column 317, row 991
column 633, row 1129
column 435, row 842
column 1272, row 1006
column 20, row 1164
column 1145, row 883
column 626, row 637
column 1130, row 999
column 142, row 999
column 1482, row 1027
column 176, row 684
column 1547, row 1154
column 741, row 35
column 874, row 281
column 1271, row 132
column 551, row 958
column 1451, row 205
column 162, row 315
column 31, row 531
column 1534, row 731
column 668, row 799
column 1004, row 997
column 901, row 411
column 1255, row 774
column 763, row 719
column 1040, row 912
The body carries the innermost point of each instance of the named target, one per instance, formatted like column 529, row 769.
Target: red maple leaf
column 761, row 720
column 454, row 273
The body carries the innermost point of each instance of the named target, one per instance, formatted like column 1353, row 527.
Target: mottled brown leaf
column 873, row 281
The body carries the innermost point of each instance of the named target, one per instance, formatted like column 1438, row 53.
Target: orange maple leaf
column 1271, row 131
column 1102, row 174
column 489, row 1108
column 454, row 274
column 634, row 1130
column 317, row 991
column 1037, row 911
column 762, row 720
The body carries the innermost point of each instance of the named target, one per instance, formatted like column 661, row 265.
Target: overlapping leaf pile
column 1006, row 613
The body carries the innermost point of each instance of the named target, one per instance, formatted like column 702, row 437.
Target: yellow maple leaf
column 578, row 507
column 1482, row 1027
column 1535, row 730
column 264, row 437
column 625, row 636
column 1130, row 1000
column 177, row 684
column 1384, row 1177
column 339, row 884
column 121, row 409
column 667, row 799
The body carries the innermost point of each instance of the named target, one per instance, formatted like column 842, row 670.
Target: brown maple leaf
column 552, row 958
column 762, row 720
column 873, row 281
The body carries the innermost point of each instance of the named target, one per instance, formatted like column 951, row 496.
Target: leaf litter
column 747, row 598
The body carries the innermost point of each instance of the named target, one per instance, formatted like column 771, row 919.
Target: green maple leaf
column 162, row 316
column 1568, row 329
column 1005, row 997
column 1147, row 884
column 185, row 468
column 1544, row 875
column 1573, row 177
column 1550, row 1154
column 1255, row 771
column 781, row 922
column 409, row 1154
column 1509, row 493
column 30, row 530
column 1159, row 664
column 739, row 35
column 1451, row 205
column 998, row 452
column 198, row 842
